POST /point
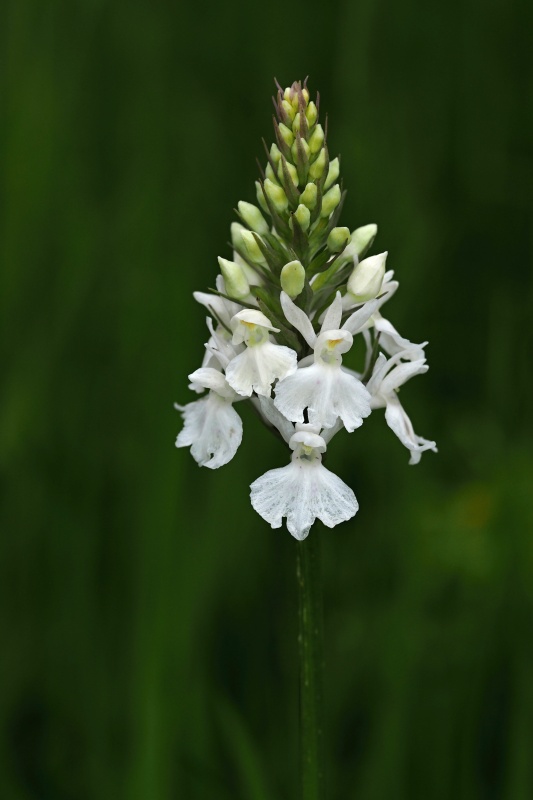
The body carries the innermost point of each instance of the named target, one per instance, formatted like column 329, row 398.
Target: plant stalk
column 311, row 658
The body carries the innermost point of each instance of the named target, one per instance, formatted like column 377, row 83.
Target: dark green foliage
column 148, row 615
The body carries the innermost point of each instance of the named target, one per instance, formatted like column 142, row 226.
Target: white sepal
column 212, row 429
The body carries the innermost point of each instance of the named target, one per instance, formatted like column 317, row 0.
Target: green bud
column 291, row 170
column 270, row 174
column 236, row 234
column 311, row 113
column 333, row 173
column 362, row 238
column 237, row 287
column 260, row 199
column 253, row 217
column 330, row 201
column 365, row 281
column 252, row 248
column 296, row 123
column 308, row 196
column 294, row 149
column 303, row 215
column 276, row 195
column 292, row 278
column 316, row 139
column 318, row 166
column 338, row 239
column 286, row 134
column 289, row 108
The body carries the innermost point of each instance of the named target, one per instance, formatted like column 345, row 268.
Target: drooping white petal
column 402, row 373
column 399, row 422
column 302, row 492
column 212, row 429
column 256, row 368
column 378, row 373
column 328, row 392
column 333, row 315
column 298, row 319
column 393, row 343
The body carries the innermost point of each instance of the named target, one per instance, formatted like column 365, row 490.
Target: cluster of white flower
column 285, row 311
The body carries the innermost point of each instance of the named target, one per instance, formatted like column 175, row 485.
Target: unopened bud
column 330, row 201
column 253, row 217
column 270, row 174
column 236, row 235
column 333, row 173
column 275, row 153
column 303, row 215
column 291, row 169
column 338, row 239
column 296, row 123
column 308, row 196
column 295, row 150
column 237, row 287
column 316, row 139
column 292, row 278
column 305, row 93
column 362, row 238
column 276, row 195
column 252, row 248
column 365, row 281
column 289, row 109
column 286, row 134
column 318, row 166
column 311, row 113
column 260, row 199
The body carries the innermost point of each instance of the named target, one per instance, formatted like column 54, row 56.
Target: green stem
column 310, row 645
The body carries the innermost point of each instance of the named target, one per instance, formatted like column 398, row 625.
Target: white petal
column 327, row 392
column 256, row 369
column 274, row 417
column 298, row 319
column 399, row 422
column 212, row 379
column 333, row 316
column 393, row 343
column 212, row 429
column 301, row 493
column 378, row 373
column 359, row 318
column 402, row 373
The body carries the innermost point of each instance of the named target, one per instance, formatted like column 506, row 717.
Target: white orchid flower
column 387, row 377
column 212, row 428
column 325, row 388
column 393, row 343
column 262, row 362
column 304, row 490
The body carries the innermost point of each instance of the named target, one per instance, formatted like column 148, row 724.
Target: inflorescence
column 286, row 308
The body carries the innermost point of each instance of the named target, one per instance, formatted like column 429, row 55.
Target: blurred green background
column 148, row 615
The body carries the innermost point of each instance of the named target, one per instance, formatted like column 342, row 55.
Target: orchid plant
column 287, row 308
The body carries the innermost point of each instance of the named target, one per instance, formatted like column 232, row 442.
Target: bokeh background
column 148, row 615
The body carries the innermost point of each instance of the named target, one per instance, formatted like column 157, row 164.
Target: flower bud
column 236, row 235
column 294, row 150
column 253, row 217
column 296, row 123
column 333, row 172
column 275, row 153
column 252, row 248
column 303, row 215
column 270, row 174
column 276, row 195
column 291, row 169
column 362, row 238
column 289, row 109
column 286, row 134
column 292, row 278
column 316, row 139
column 365, row 281
column 338, row 239
column 308, row 196
column 330, row 201
column 317, row 167
column 260, row 199
column 311, row 113
column 237, row 287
